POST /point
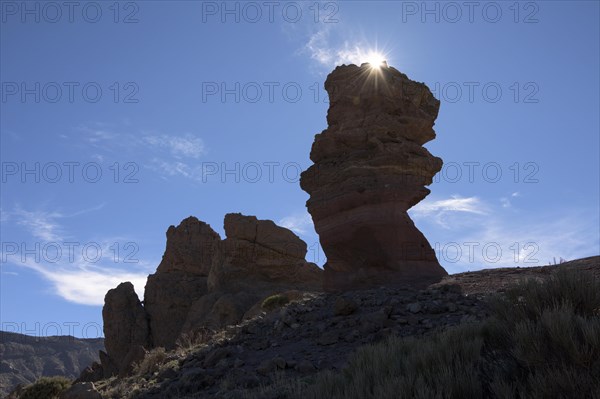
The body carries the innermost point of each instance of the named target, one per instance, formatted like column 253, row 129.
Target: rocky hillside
column 317, row 332
column 24, row 359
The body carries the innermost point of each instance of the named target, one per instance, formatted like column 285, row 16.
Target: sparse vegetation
column 275, row 301
column 46, row 388
column 151, row 362
column 543, row 340
column 189, row 341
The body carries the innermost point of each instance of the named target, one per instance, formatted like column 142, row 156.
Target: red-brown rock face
column 370, row 168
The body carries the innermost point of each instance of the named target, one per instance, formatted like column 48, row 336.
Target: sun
column 375, row 59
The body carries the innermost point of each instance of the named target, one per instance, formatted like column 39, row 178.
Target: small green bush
column 275, row 301
column 46, row 388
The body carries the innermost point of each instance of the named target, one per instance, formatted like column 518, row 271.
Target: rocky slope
column 318, row 331
column 370, row 167
column 23, row 358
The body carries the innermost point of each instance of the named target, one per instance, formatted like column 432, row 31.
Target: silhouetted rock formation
column 258, row 255
column 370, row 168
column 204, row 282
column 256, row 260
column 125, row 328
column 180, row 279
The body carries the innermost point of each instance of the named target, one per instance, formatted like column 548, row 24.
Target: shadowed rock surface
column 203, row 283
column 180, row 278
column 258, row 255
column 369, row 169
column 125, row 328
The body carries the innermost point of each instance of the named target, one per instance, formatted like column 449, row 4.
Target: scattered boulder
column 370, row 167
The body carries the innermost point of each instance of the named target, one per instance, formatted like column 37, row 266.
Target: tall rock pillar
column 370, row 167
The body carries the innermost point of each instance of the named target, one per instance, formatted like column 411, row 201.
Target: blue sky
column 118, row 121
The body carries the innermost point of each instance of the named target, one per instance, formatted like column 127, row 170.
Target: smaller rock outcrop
column 180, row 278
column 125, row 327
column 257, row 259
column 259, row 256
column 203, row 283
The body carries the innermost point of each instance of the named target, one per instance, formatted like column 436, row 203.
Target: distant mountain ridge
column 24, row 358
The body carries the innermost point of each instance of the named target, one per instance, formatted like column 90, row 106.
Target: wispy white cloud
column 476, row 234
column 170, row 154
column 183, row 145
column 41, row 225
column 174, row 168
column 89, row 286
column 329, row 47
column 506, row 201
column 179, row 146
column 449, row 212
column 299, row 223
column 321, row 49
column 100, row 135
column 454, row 204
column 98, row 157
column 77, row 276
column 514, row 242
column 4, row 216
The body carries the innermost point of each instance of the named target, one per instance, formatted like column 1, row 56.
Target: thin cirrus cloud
column 502, row 242
column 73, row 276
column 320, row 48
column 506, row 201
column 469, row 233
column 168, row 154
column 299, row 223
column 454, row 204
column 186, row 146
column 451, row 211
